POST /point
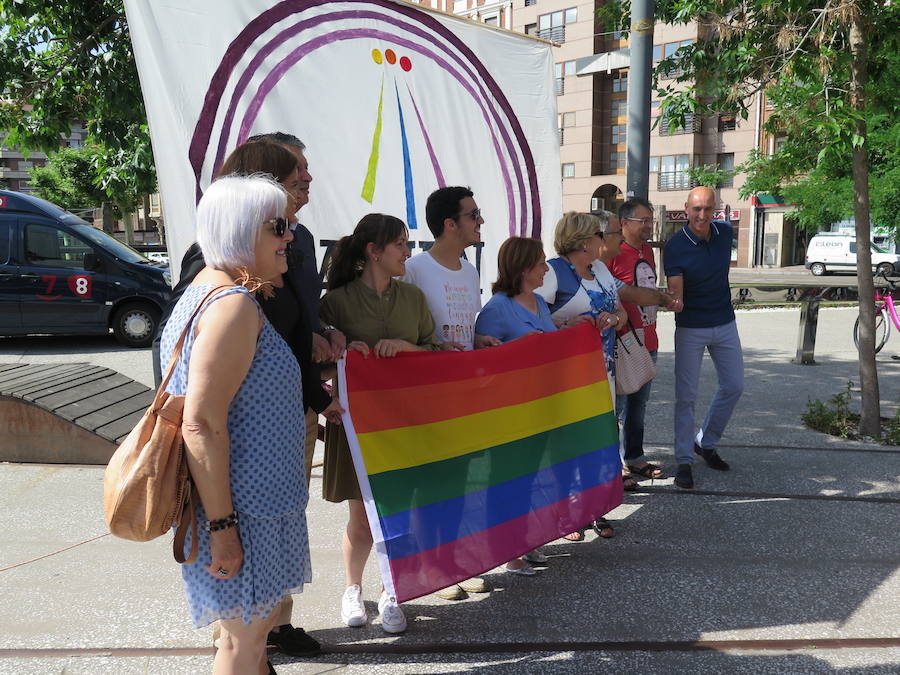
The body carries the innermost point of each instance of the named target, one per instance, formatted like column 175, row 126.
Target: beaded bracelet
column 231, row 520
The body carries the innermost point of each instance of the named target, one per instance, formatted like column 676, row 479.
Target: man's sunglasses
column 474, row 214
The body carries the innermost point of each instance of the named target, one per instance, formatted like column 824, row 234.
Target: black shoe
column 684, row 477
column 712, row 459
column 293, row 641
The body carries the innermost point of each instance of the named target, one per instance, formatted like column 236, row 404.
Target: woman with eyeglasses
column 381, row 317
column 241, row 381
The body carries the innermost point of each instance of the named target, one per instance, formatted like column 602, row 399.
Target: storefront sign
column 681, row 216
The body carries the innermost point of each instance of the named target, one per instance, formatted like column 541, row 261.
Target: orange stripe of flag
column 431, row 403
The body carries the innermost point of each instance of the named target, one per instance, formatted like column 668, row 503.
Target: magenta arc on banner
column 395, row 24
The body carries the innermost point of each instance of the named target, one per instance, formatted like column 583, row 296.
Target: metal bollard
column 806, row 344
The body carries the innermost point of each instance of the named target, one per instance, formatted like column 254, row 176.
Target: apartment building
column 592, row 88
column 14, row 166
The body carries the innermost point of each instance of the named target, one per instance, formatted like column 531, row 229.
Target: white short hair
column 230, row 215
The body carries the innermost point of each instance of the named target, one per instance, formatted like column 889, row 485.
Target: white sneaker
column 353, row 612
column 392, row 618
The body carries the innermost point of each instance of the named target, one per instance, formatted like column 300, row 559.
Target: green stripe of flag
column 418, row 486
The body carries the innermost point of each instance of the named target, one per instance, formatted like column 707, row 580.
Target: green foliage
column 891, row 430
column 836, row 419
column 64, row 62
column 711, row 175
column 68, row 180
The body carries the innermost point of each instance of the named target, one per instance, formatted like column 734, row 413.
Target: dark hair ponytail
column 349, row 257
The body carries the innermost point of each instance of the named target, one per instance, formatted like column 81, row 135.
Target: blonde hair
column 575, row 228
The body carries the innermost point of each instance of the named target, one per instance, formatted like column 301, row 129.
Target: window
column 618, row 134
column 654, row 164
column 618, row 108
column 727, row 122
column 673, row 173
column 531, row 29
column 552, row 26
column 568, row 170
column 568, row 67
column 6, row 232
column 726, row 163
column 529, row 3
column 567, row 119
column 460, row 5
column 25, row 165
column 49, row 247
column 778, row 143
column 670, row 128
column 492, row 20
column 620, row 81
column 616, row 161
column 667, row 50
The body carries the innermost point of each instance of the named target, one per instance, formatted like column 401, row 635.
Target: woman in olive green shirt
column 381, row 315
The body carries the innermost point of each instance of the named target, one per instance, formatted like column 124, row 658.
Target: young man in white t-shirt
column 452, row 289
column 450, row 283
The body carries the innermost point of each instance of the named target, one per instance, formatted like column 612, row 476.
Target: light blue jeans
column 631, row 410
column 724, row 345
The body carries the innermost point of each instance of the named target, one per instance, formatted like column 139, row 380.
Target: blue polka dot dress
column 268, row 480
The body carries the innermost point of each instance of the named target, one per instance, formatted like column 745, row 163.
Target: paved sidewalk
column 796, row 543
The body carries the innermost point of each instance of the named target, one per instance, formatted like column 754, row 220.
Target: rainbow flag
column 469, row 459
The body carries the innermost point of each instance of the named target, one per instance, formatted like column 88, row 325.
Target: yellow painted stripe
column 405, row 447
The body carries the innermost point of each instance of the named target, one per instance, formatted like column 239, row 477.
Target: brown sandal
column 577, row 535
column 648, row 470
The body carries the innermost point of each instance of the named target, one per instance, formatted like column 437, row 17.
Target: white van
column 836, row 252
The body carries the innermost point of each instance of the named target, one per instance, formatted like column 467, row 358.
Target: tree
column 812, row 58
column 64, row 62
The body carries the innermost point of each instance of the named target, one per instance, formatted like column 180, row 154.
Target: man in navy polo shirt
column 697, row 260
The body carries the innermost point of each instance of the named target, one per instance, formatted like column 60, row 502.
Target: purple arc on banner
column 283, row 66
column 203, row 131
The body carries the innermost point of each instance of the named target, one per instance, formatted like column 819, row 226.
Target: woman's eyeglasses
column 279, row 226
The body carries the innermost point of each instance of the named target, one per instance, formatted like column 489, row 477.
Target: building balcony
column 674, row 180
column 670, row 128
column 556, row 34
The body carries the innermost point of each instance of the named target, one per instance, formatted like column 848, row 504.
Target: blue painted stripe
column 407, row 170
column 416, row 530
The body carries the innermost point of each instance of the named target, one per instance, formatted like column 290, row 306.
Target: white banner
column 392, row 101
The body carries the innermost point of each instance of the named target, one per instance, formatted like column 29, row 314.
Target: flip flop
column 649, row 470
column 601, row 526
column 629, row 484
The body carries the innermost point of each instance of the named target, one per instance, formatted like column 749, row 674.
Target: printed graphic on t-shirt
column 645, row 277
column 460, row 313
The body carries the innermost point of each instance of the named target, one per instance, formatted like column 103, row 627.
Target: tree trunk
column 870, row 412
column 109, row 223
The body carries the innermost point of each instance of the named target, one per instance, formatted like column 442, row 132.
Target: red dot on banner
column 390, row 56
column 405, row 63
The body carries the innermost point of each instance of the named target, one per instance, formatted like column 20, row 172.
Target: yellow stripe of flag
column 404, row 447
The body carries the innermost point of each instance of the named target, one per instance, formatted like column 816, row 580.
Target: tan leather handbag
column 147, row 486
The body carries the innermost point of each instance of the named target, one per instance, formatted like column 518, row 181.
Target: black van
column 59, row 275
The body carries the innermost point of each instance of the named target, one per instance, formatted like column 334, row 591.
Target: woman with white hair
column 245, row 452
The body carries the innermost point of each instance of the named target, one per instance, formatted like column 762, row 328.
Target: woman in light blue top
column 514, row 311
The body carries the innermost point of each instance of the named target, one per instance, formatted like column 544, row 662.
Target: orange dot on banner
column 390, row 56
column 405, row 63
column 376, row 56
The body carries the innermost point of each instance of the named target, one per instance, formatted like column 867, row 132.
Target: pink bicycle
column 885, row 315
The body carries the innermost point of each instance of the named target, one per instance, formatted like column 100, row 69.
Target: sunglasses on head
column 279, row 226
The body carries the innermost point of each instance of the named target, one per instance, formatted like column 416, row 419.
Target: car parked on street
column 60, row 275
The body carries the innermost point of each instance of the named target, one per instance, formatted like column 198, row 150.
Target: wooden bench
column 66, row 413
